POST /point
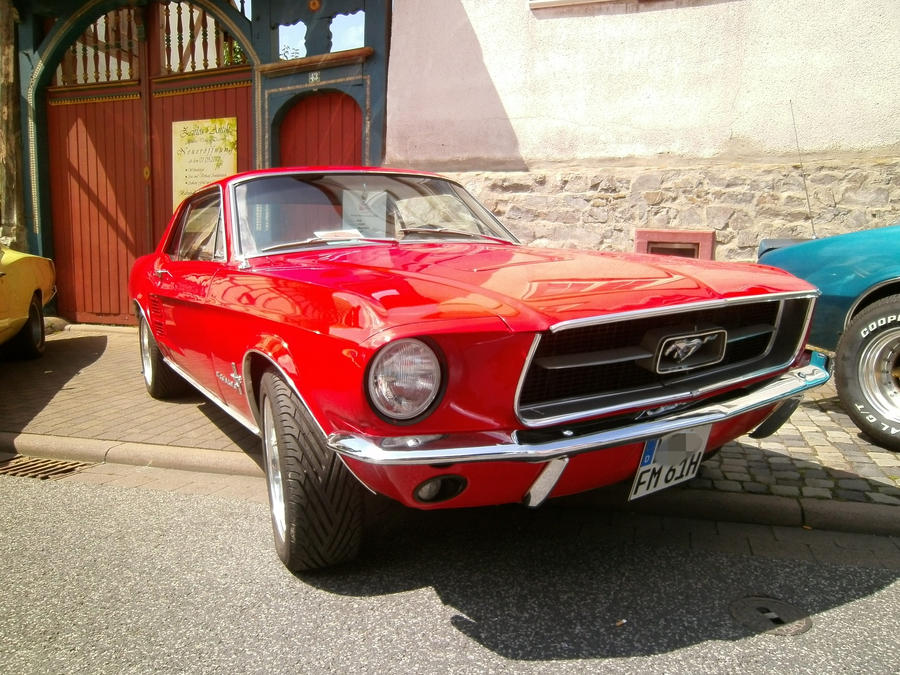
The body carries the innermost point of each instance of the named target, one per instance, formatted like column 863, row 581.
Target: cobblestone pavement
column 819, row 453
column 88, row 385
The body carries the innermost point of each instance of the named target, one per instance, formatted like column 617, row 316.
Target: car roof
column 281, row 170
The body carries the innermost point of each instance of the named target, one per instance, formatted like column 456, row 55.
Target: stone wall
column 600, row 208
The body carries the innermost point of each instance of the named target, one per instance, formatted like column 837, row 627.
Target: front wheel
column 867, row 371
column 316, row 504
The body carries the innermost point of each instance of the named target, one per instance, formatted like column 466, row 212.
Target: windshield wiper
column 451, row 232
column 312, row 241
column 292, row 244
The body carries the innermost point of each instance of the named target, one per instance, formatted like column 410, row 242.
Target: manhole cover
column 770, row 615
column 37, row 467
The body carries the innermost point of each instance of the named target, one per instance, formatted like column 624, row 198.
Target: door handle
column 162, row 271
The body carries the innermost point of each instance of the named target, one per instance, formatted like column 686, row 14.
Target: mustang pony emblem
column 683, row 349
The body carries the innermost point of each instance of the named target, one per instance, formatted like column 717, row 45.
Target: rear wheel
column 867, row 371
column 29, row 342
column 162, row 382
column 316, row 503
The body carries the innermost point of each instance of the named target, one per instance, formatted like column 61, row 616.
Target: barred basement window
column 685, row 243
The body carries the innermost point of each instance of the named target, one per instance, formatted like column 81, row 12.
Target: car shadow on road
column 242, row 438
column 576, row 583
column 238, row 435
column 29, row 385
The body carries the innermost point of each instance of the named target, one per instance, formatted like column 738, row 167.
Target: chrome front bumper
column 485, row 447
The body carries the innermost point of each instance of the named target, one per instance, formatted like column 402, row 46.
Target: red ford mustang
column 382, row 329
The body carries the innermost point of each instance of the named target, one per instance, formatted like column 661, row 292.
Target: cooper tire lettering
column 867, row 371
column 879, row 323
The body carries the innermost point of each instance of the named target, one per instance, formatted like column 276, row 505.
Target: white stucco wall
column 495, row 84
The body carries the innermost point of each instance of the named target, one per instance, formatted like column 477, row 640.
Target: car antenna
column 802, row 172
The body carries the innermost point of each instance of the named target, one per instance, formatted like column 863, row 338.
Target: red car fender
column 269, row 352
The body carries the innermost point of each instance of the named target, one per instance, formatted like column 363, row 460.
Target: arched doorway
column 322, row 129
column 112, row 109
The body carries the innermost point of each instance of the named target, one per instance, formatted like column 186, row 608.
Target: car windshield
column 281, row 212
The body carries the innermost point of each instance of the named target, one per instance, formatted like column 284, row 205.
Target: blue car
column 857, row 318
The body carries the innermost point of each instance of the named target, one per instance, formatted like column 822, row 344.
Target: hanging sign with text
column 202, row 151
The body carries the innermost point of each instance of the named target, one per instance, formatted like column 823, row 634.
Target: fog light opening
column 439, row 489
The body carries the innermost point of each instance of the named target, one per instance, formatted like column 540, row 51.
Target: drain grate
column 770, row 615
column 37, row 467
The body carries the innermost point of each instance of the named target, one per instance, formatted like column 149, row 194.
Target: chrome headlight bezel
column 405, row 380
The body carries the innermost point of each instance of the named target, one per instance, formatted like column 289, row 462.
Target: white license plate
column 669, row 460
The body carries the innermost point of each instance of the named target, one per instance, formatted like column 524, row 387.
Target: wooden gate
column 323, row 129
column 98, row 200
column 109, row 116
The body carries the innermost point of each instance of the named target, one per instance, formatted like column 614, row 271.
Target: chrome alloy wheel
column 879, row 374
column 146, row 358
column 273, row 472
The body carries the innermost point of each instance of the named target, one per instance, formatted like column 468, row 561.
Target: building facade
column 125, row 106
column 695, row 127
column 614, row 124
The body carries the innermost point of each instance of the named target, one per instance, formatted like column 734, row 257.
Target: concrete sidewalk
column 85, row 400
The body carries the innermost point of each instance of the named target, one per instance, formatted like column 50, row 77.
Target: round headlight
column 404, row 379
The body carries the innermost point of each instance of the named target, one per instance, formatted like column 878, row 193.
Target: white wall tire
column 867, row 371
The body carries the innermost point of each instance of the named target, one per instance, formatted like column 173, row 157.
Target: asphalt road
column 96, row 579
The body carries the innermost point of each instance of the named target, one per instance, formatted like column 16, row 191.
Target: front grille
column 620, row 364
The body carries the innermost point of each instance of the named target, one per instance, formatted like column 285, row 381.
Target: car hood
column 844, row 267
column 866, row 253
column 527, row 287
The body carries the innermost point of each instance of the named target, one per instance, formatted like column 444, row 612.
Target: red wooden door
column 200, row 96
column 98, row 200
column 323, row 129
column 109, row 117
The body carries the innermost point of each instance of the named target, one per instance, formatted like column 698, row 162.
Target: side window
column 200, row 235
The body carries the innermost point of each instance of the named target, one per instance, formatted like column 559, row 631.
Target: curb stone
column 863, row 518
column 133, row 454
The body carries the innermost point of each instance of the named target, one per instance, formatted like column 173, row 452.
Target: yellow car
column 27, row 284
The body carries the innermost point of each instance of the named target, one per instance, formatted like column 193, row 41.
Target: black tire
column 867, row 371
column 30, row 341
column 162, row 382
column 315, row 502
